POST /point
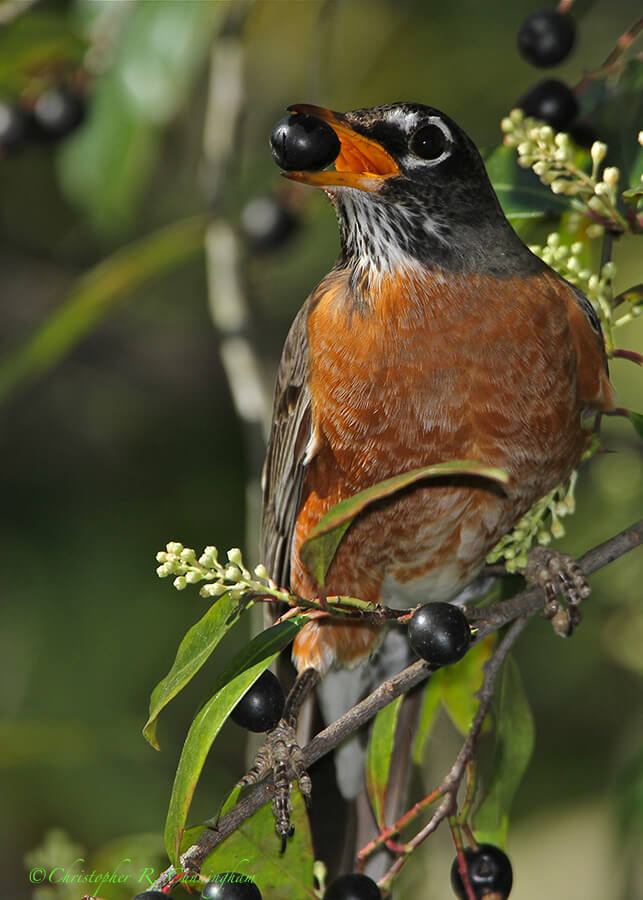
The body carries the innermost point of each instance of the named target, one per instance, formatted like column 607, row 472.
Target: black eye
column 429, row 142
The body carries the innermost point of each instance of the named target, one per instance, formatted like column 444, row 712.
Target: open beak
column 362, row 162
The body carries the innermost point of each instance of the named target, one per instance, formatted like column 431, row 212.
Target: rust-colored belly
column 436, row 371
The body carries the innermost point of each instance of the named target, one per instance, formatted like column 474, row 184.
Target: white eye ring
column 431, row 124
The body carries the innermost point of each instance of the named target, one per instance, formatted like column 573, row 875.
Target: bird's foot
column 560, row 576
column 281, row 755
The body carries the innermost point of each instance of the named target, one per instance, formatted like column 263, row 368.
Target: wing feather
column 286, row 459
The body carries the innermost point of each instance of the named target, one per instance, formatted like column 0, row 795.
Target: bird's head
column 409, row 186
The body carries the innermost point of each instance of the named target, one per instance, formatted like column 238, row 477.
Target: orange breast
column 434, row 369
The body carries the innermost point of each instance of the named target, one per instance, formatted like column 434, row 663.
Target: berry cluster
column 55, row 114
column 545, row 39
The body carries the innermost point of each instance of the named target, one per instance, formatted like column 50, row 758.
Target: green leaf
column 194, row 650
column 514, row 729
column 637, row 421
column 34, row 46
column 229, row 687
column 462, row 681
column 428, row 713
column 379, row 755
column 520, row 192
column 104, row 169
column 95, row 293
column 319, row 548
column 252, row 850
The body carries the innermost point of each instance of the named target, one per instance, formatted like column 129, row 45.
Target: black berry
column 552, row 101
column 301, row 141
column 14, row 127
column 489, row 873
column 57, row 113
column 439, row 633
column 153, row 895
column 546, row 37
column 267, row 223
column 353, row 887
column 231, row 886
column 261, row 706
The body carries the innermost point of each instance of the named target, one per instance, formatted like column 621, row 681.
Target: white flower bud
column 180, row 583
column 596, row 205
column 163, row 571
column 595, row 231
column 261, row 571
column 234, row 556
column 188, row 555
column 553, row 239
column 232, row 573
column 540, row 167
column 506, row 125
column 174, row 547
column 161, row 556
column 577, row 248
column 598, row 151
column 557, row 529
column 193, row 577
column 611, row 175
column 602, row 189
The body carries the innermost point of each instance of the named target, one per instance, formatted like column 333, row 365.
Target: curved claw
column 558, row 574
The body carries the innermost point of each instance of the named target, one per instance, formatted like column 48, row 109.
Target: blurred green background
column 131, row 439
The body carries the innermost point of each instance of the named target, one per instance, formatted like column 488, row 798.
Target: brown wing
column 283, row 471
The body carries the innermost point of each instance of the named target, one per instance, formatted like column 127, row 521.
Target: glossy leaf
column 194, row 650
column 637, row 421
column 229, row 687
column 514, row 728
column 95, row 294
column 319, row 548
column 33, row 45
column 428, row 713
column 379, row 756
column 462, row 681
column 105, row 168
column 520, row 192
column 253, row 850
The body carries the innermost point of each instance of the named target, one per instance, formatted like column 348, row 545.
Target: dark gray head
column 409, row 184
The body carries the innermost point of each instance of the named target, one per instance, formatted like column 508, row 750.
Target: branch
column 520, row 607
column 450, row 785
column 529, row 602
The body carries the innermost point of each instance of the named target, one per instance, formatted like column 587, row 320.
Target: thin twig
column 528, row 602
column 613, row 58
column 449, row 787
column 522, row 606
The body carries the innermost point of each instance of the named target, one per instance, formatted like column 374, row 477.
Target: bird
column 437, row 335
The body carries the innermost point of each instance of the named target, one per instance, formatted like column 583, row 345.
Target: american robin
column 436, row 336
